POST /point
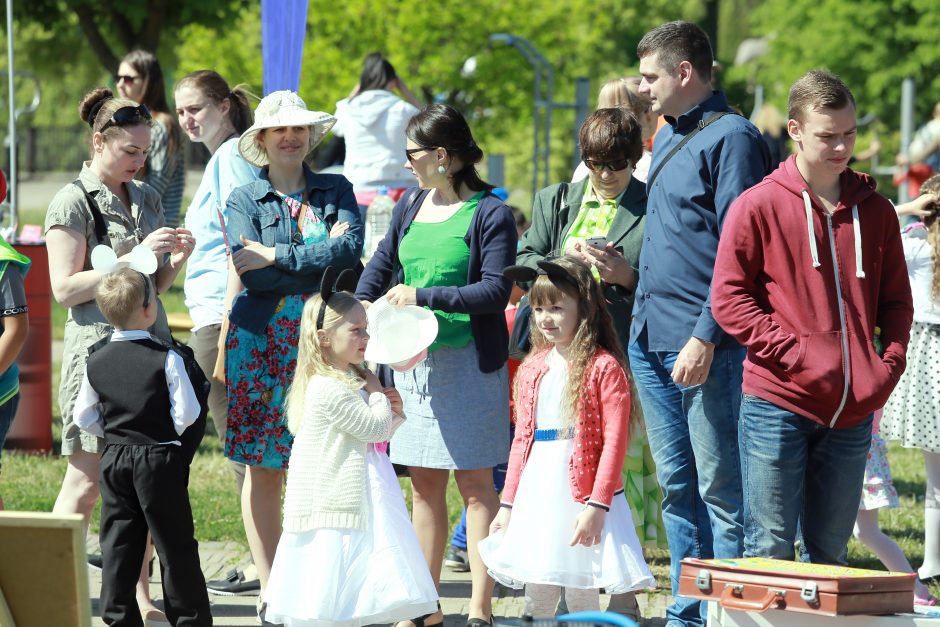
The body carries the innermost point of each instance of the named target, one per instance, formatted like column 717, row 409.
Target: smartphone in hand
column 596, row 242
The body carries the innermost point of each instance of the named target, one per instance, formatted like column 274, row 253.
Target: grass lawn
column 31, row 482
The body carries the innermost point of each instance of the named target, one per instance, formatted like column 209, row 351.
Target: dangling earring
column 441, row 169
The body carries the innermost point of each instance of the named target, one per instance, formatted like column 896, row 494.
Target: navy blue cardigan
column 492, row 241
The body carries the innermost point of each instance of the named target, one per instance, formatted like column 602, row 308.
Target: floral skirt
column 258, row 370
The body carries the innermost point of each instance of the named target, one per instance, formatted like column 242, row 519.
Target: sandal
column 480, row 622
column 419, row 621
column 928, row 601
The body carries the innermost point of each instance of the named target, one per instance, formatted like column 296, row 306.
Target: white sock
column 931, row 565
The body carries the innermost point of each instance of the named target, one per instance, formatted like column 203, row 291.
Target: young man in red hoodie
column 809, row 267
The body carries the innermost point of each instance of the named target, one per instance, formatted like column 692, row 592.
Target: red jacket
column 600, row 438
column 804, row 290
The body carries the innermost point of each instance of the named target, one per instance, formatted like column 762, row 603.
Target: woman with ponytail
column 449, row 243
column 214, row 115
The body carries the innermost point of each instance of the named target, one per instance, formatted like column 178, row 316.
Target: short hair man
column 809, row 268
column 687, row 370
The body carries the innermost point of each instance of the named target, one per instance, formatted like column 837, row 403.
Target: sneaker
column 234, row 585
column 457, row 560
column 94, row 562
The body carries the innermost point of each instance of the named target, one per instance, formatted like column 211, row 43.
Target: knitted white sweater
column 326, row 476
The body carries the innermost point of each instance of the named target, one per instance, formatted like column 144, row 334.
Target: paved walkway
column 218, row 557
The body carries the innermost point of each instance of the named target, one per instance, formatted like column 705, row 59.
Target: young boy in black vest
column 137, row 395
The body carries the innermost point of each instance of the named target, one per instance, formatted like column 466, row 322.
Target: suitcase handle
column 731, row 598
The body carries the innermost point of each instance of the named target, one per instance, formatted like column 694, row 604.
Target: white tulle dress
column 352, row 577
column 534, row 548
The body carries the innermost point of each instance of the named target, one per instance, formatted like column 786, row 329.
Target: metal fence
column 64, row 148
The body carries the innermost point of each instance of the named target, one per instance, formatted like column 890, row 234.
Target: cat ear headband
column 141, row 259
column 331, row 283
column 555, row 272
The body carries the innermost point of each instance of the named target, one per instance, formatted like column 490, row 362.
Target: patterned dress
column 259, row 369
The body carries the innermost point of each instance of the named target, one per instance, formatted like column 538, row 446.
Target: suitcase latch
column 810, row 592
column 703, row 581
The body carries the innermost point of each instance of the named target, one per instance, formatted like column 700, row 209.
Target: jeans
column 693, row 434
column 799, row 477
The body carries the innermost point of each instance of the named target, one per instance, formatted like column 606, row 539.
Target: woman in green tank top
column 452, row 239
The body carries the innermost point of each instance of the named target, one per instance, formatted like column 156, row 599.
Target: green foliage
column 872, row 46
column 429, row 42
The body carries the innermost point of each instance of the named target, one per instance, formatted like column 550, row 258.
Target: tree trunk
column 101, row 48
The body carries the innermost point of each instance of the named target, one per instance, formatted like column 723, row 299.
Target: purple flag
column 283, row 27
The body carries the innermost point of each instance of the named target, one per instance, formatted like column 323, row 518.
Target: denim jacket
column 257, row 212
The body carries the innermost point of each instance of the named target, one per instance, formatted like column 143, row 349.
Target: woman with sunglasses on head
column 600, row 220
column 140, row 79
column 449, row 243
column 106, row 206
column 286, row 228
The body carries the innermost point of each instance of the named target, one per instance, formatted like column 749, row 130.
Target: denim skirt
column 456, row 416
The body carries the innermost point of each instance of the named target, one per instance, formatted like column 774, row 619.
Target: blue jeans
column 693, row 433
column 799, row 478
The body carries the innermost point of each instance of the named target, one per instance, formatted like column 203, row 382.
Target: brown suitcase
column 756, row 584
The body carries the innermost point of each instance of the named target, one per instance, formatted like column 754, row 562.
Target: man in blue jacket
column 687, row 370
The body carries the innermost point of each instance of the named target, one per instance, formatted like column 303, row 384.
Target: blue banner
column 283, row 27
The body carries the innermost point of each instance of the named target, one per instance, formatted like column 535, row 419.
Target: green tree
column 872, row 46
column 429, row 42
column 110, row 28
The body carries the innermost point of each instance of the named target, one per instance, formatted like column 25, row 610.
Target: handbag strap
column 685, row 140
column 101, row 228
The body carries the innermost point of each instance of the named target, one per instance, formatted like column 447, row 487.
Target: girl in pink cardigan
column 563, row 521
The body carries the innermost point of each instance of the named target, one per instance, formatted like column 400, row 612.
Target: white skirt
column 534, row 548
column 354, row 577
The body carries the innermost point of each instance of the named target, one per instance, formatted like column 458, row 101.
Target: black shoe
column 234, row 585
column 94, row 561
column 457, row 560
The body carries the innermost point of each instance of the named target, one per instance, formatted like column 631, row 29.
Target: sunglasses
column 127, row 115
column 610, row 166
column 125, row 78
column 411, row 151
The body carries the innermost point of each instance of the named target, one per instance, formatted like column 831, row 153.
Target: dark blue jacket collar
column 716, row 102
column 261, row 186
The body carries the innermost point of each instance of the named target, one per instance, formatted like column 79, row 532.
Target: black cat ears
column 331, row 283
column 555, row 272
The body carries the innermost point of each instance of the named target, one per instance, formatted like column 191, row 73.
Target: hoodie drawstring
column 809, row 227
column 857, row 228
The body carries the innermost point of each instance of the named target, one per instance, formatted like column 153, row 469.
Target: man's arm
column 739, row 161
column 739, row 262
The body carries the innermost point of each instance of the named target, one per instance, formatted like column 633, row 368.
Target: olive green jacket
column 554, row 211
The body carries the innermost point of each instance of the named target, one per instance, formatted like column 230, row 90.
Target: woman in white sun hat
column 285, row 229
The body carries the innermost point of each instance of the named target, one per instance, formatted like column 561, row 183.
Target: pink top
column 601, row 429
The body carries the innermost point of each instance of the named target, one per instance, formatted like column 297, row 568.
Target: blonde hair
column 120, row 295
column 932, row 222
column 595, row 329
column 625, row 93
column 770, row 120
column 311, row 357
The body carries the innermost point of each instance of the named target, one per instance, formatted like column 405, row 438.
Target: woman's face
column 609, row 178
column 130, row 84
column 286, row 146
column 200, row 118
column 423, row 163
column 122, row 154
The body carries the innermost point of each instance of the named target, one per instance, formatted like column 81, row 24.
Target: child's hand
column 394, row 398
column 588, row 526
column 501, row 521
column 339, row 229
column 373, row 384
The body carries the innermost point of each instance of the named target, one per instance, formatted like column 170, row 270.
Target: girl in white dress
column 348, row 555
column 564, row 521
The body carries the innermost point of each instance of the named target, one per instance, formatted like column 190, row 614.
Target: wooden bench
column 179, row 322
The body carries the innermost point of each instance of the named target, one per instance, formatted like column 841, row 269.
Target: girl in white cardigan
column 348, row 555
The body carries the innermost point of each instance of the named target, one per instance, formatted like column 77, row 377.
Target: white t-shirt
column 919, row 258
